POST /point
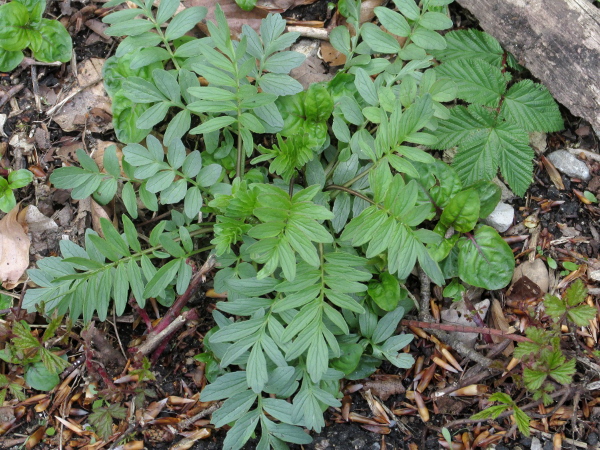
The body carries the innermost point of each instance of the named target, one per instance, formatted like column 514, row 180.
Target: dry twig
column 449, row 339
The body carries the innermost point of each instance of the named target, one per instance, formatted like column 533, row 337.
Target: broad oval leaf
column 485, row 260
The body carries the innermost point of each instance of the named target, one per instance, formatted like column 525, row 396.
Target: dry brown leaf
column 90, row 107
column 190, row 438
column 236, row 17
column 332, row 56
column 14, row 249
column 553, row 173
column 279, row 6
column 367, row 9
column 98, row 155
column 35, row 438
column 500, row 322
column 98, row 212
column 385, row 387
column 311, row 70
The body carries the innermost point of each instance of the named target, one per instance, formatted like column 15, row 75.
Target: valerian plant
column 315, row 232
column 22, row 26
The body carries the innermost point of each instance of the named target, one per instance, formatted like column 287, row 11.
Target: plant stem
column 356, row 178
column 464, row 329
column 157, row 334
column 150, row 250
column 162, row 37
column 241, row 156
column 332, row 187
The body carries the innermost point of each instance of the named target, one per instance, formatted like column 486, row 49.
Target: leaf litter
column 14, row 248
column 408, row 399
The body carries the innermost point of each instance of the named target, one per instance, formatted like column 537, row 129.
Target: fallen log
column 557, row 40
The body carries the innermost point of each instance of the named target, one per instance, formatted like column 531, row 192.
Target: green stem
column 356, row 178
column 132, row 257
column 331, row 166
column 335, row 187
column 163, row 38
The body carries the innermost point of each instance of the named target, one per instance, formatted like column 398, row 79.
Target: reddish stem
column 464, row 329
column 477, row 318
column 183, row 299
column 191, row 315
column 142, row 313
column 96, row 367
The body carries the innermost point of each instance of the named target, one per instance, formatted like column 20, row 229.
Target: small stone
column 506, row 194
column 359, row 443
column 592, row 439
column 322, row 444
column 526, row 441
column 536, row 271
column 501, row 217
column 536, row 444
column 537, row 140
column 548, row 445
column 569, row 164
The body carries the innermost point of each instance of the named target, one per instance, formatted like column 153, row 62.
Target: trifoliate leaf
column 576, row 293
column 554, row 306
column 564, row 373
column 582, row 314
column 522, row 420
column 533, row 378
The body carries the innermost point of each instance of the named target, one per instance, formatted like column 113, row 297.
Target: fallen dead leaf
column 367, row 9
column 90, row 106
column 236, row 17
column 553, row 173
column 279, row 6
column 14, row 249
column 459, row 314
column 44, row 232
column 98, row 154
column 38, row 222
column 332, row 56
column 190, row 438
column 501, row 322
column 311, row 70
column 386, row 386
column 98, row 212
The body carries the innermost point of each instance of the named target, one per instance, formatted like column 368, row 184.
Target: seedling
column 22, row 27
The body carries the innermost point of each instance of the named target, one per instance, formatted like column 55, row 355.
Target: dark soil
column 175, row 370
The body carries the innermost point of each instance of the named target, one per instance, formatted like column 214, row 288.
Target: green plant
column 315, row 234
column 569, row 267
column 41, row 365
column 22, row 26
column 544, row 362
column 506, row 403
column 544, row 354
column 102, row 417
column 16, row 179
column 493, row 130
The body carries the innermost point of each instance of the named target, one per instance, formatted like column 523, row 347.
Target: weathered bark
column 557, row 40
